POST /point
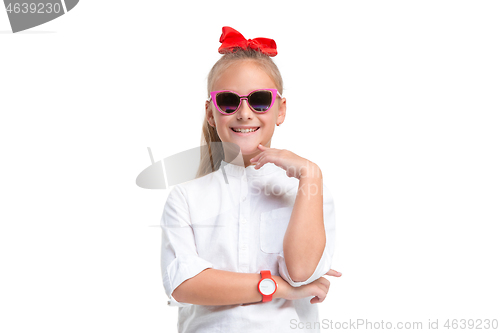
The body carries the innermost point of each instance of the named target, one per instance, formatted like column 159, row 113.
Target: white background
column 397, row 102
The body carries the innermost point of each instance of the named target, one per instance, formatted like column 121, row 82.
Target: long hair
column 212, row 155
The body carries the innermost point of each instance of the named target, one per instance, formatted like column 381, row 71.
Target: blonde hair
column 212, row 155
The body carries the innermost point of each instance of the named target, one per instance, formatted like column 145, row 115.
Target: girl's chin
column 248, row 148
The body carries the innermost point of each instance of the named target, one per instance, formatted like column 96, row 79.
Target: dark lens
column 260, row 100
column 227, row 102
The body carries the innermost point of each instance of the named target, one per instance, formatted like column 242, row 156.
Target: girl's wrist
column 280, row 290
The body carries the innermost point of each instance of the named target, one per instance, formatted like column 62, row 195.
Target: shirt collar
column 238, row 171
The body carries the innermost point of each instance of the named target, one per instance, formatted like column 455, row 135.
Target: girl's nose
column 244, row 111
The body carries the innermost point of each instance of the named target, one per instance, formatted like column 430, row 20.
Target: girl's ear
column 281, row 112
column 209, row 114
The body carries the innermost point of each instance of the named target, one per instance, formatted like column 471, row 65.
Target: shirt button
column 243, row 247
column 243, row 199
column 243, row 221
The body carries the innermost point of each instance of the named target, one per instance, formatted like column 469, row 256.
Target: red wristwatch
column 267, row 286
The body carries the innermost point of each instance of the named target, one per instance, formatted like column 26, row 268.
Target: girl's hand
column 294, row 165
column 318, row 288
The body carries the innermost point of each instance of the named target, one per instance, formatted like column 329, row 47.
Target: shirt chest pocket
column 273, row 225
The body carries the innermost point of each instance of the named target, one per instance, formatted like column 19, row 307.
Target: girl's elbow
column 177, row 295
column 300, row 276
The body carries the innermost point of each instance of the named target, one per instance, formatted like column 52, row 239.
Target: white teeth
column 241, row 130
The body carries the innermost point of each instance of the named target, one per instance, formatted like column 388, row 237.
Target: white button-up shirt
column 235, row 219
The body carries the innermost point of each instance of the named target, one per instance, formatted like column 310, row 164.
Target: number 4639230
column 471, row 324
column 34, row 8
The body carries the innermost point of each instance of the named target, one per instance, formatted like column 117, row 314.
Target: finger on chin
column 263, row 148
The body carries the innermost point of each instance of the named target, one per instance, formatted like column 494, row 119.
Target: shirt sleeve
column 179, row 258
column 325, row 262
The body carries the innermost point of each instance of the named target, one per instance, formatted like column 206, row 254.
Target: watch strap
column 265, row 274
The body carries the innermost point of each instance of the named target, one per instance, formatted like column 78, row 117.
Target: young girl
column 244, row 247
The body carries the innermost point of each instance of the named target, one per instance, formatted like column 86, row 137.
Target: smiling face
column 242, row 77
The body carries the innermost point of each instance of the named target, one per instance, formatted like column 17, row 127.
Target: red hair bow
column 232, row 39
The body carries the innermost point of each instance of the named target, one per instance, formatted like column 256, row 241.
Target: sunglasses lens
column 227, row 102
column 261, row 100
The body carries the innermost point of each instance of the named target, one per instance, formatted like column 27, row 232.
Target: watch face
column 267, row 287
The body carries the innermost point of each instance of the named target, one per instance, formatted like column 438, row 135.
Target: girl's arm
column 307, row 249
column 305, row 238
column 219, row 287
